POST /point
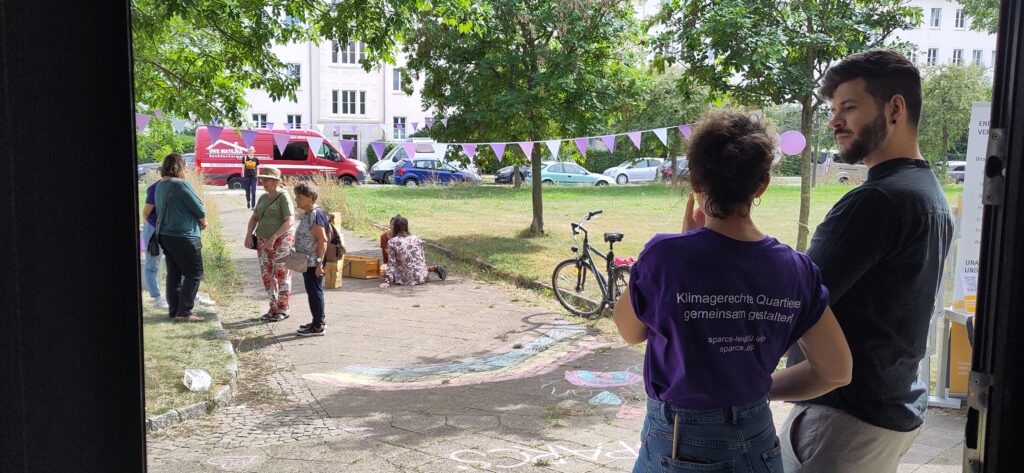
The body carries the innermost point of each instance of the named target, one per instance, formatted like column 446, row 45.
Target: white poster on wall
column 965, row 285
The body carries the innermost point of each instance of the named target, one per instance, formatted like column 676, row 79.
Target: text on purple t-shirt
column 720, row 313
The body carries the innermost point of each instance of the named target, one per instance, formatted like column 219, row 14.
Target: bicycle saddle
column 612, row 237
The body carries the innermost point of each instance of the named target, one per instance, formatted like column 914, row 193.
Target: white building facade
column 944, row 36
column 335, row 90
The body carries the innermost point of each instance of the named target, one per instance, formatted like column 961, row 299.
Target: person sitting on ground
column 406, row 264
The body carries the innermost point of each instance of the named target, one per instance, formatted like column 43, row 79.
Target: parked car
column 957, row 169
column 383, row 171
column 221, row 162
column 556, row 172
column 417, row 171
column 682, row 166
column 504, row 175
column 637, row 170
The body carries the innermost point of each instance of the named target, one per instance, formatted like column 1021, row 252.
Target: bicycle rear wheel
column 621, row 279
column 577, row 288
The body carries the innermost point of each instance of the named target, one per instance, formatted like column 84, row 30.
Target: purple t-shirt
column 720, row 313
column 151, row 200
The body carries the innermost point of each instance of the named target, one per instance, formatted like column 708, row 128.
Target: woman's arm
column 829, row 364
column 146, row 210
column 630, row 327
column 320, row 248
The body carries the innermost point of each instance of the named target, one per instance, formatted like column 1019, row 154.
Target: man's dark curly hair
column 886, row 73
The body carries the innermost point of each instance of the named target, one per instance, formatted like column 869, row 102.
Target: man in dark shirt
column 881, row 251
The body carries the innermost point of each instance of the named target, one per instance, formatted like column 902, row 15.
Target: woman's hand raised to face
column 694, row 216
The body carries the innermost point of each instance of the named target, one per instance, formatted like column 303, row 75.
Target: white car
column 637, row 170
column 383, row 171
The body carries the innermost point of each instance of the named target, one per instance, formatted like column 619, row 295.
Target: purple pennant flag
column 415, row 126
column 337, row 129
column 378, row 149
column 527, row 147
column 582, row 144
column 214, row 132
column 315, row 143
column 400, row 126
column 410, row 149
column 685, row 130
column 635, row 137
column 281, row 140
column 609, row 142
column 141, row 120
column 470, row 149
column 269, row 126
column 248, row 137
column 346, row 147
column 158, row 113
column 499, row 149
column 352, row 128
column 428, row 122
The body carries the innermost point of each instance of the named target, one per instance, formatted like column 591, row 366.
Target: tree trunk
column 537, row 227
column 674, row 153
column 806, row 169
column 517, row 181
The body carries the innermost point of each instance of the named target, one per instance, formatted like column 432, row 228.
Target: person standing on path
column 250, row 169
column 151, row 269
column 271, row 222
column 881, row 251
column 311, row 239
column 718, row 306
column 180, row 218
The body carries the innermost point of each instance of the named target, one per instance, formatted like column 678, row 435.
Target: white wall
column 277, row 112
column 946, row 38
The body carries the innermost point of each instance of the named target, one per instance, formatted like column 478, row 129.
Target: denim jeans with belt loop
column 735, row 439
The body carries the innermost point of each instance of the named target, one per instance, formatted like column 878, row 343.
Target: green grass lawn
column 488, row 222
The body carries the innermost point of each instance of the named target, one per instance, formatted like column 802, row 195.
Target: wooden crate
column 332, row 276
column 361, row 267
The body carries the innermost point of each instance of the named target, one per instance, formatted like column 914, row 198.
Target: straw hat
column 270, row 172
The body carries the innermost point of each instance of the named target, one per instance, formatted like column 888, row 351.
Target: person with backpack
column 718, row 306
column 311, row 239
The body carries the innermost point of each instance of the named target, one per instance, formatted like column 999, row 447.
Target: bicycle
column 577, row 283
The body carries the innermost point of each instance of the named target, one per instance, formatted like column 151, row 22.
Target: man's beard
column 869, row 138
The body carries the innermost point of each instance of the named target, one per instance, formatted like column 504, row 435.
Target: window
column 295, row 72
column 913, row 56
column 976, row 58
column 296, row 151
column 352, row 102
column 334, row 102
column 294, row 121
column 350, row 53
column 259, row 120
column 936, row 18
column 423, row 165
column 958, row 57
column 961, row 21
column 556, row 168
column 396, row 79
column 933, row 56
column 574, row 169
column 399, row 128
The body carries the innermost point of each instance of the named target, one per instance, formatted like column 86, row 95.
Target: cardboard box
column 361, row 267
column 332, row 276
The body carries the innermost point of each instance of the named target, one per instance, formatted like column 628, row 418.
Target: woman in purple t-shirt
column 718, row 305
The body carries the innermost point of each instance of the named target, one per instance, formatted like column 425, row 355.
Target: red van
column 221, row 162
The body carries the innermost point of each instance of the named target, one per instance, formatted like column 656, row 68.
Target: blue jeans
column 315, row 293
column 151, row 269
column 738, row 439
column 249, row 183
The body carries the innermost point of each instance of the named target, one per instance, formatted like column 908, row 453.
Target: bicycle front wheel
column 577, row 288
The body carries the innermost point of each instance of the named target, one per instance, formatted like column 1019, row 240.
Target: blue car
column 430, row 171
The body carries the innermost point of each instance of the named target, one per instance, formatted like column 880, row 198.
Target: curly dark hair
column 730, row 156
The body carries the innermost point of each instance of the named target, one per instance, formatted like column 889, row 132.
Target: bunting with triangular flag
column 469, row 149
column 553, row 146
column 582, row 144
column 214, row 132
column 315, row 143
column 635, row 137
column 444, row 121
column 410, row 149
column 378, row 149
column 248, row 137
column 609, row 142
column 141, row 120
column 281, row 140
column 527, row 147
column 346, row 147
column 662, row 134
column 499, row 149
column 685, row 130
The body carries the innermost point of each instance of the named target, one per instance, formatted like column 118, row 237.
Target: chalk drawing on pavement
column 602, row 379
column 605, row 397
column 629, row 412
column 231, row 462
column 554, row 347
column 520, row 456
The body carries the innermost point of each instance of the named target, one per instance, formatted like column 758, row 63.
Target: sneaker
column 277, row 317
column 442, row 273
column 205, row 300
column 312, row 331
column 303, row 326
column 161, row 303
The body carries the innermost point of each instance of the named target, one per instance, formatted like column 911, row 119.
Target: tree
column 533, row 70
column 774, row 51
column 984, row 14
column 947, row 93
column 195, row 58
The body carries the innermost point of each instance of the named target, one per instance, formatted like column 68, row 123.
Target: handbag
column 253, row 234
column 296, row 261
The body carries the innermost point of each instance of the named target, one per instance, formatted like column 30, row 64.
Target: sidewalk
column 448, row 376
